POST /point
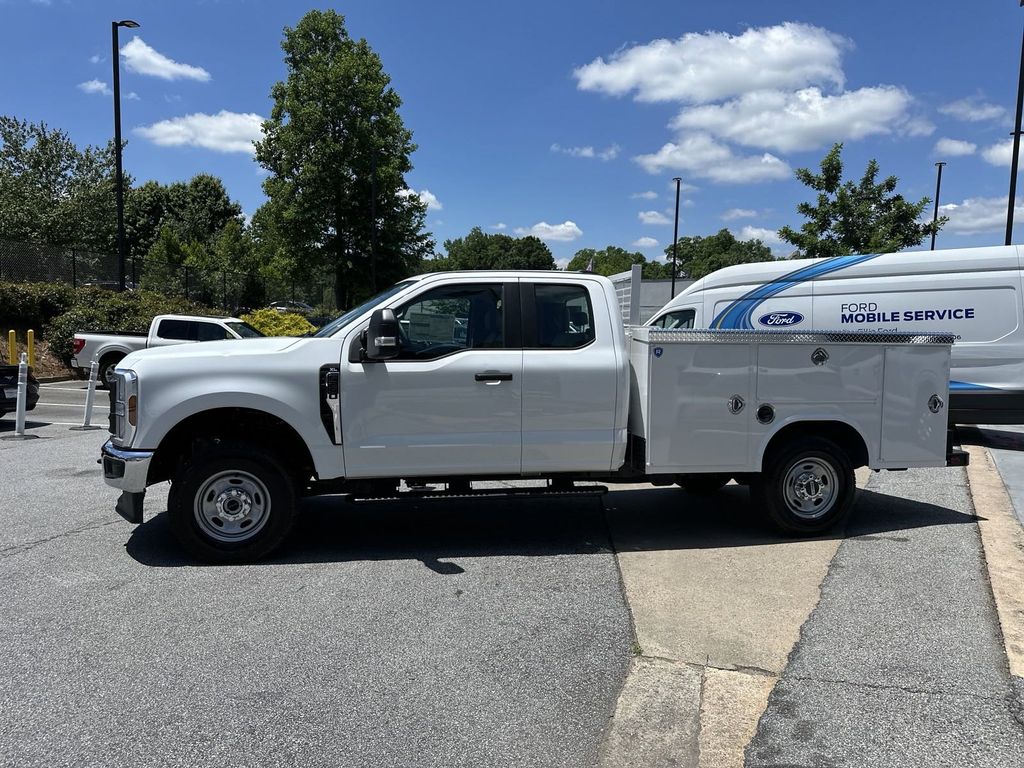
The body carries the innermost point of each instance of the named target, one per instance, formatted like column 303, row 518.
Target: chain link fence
column 233, row 292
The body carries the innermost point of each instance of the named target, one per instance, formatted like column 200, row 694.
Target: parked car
column 973, row 293
column 9, row 390
column 295, row 307
column 108, row 348
column 543, row 383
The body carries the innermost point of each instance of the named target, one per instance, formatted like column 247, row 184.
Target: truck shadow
column 332, row 529
column 1006, row 439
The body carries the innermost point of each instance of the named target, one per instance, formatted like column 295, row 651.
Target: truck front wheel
column 806, row 488
column 105, row 372
column 231, row 505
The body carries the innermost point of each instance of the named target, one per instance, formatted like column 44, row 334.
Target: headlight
column 124, row 407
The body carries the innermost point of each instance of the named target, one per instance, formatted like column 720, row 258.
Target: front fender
column 275, row 393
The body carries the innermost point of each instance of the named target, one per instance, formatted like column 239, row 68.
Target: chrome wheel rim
column 810, row 488
column 232, row 506
column 109, row 375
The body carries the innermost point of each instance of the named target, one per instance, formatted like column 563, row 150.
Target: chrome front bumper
column 125, row 469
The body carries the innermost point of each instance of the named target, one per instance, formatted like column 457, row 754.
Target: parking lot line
column 79, row 406
column 64, row 389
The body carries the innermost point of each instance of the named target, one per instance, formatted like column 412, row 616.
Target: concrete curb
column 1003, row 542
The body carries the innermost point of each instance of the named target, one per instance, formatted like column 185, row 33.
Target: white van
column 974, row 293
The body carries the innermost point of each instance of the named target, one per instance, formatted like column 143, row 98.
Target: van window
column 680, row 319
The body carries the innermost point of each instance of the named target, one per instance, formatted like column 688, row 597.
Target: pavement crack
column 889, row 687
column 17, row 549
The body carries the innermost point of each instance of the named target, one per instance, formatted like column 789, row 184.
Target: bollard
column 12, row 344
column 89, row 396
column 19, row 419
column 31, row 346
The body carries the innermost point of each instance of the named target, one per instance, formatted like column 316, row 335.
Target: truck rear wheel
column 105, row 372
column 806, row 488
column 231, row 505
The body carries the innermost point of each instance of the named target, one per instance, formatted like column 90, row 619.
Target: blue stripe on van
column 738, row 314
column 966, row 386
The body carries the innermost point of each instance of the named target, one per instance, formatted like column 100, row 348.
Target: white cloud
column 645, row 242
column 805, row 119
column 563, row 232
column 222, row 132
column 573, row 151
column 1000, row 153
column 145, row 60
column 972, row 109
column 702, row 67
column 767, row 236
column 95, row 86
column 499, row 226
column 95, row 59
column 426, row 196
column 738, row 213
column 702, row 156
column 978, row 214
column 955, row 148
column 608, row 153
column 649, row 195
column 653, row 217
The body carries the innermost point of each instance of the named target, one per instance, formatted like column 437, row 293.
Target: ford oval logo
column 780, row 319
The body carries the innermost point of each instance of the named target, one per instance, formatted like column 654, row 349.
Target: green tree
column 51, row 191
column 337, row 152
column 480, row 250
column 856, row 217
column 700, row 256
column 609, row 260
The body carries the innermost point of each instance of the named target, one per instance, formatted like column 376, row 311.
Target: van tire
column 807, row 487
column 105, row 371
column 230, row 504
column 703, row 484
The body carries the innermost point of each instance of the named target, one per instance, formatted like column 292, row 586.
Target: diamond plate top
column 706, row 336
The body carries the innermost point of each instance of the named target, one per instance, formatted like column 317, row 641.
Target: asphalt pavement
column 902, row 661
column 440, row 633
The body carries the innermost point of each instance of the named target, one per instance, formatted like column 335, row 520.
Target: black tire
column 105, row 371
column 248, row 492
column 807, row 488
column 702, row 485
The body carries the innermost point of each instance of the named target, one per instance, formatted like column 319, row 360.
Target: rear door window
column 174, row 329
column 210, row 332
column 564, row 316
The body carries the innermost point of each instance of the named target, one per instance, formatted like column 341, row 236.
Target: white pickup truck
column 456, row 377
column 108, row 348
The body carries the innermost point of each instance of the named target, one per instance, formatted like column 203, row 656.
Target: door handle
column 493, row 376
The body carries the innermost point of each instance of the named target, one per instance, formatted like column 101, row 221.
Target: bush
column 32, row 305
column 100, row 310
column 270, row 322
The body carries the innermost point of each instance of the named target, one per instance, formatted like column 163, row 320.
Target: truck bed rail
column 709, row 336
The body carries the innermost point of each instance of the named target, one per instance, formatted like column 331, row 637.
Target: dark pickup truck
column 9, row 390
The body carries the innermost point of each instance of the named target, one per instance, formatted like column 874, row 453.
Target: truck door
column 569, row 379
column 451, row 402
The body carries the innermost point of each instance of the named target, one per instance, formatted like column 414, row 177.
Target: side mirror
column 381, row 336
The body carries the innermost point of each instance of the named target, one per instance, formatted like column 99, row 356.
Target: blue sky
column 568, row 119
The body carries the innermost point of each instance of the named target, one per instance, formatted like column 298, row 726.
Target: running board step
column 586, row 490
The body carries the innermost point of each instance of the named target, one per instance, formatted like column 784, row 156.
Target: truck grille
column 115, row 421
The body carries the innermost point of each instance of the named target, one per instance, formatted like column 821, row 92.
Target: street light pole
column 938, row 189
column 1016, row 146
column 118, row 178
column 675, row 235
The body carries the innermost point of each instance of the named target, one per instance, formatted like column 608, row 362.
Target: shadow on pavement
column 988, row 437
column 7, row 424
column 333, row 529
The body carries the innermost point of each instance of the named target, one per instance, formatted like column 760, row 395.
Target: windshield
column 244, row 330
column 352, row 314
